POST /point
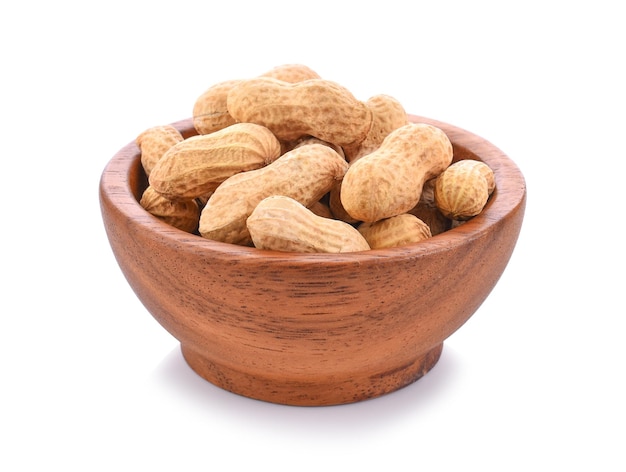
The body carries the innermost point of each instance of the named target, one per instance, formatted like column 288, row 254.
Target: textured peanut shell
column 315, row 107
column 336, row 207
column 483, row 168
column 210, row 113
column 154, row 142
column 389, row 181
column 281, row 223
column 183, row 214
column 333, row 209
column 305, row 140
column 388, row 114
column 462, row 191
column 291, row 73
column 196, row 166
column 304, row 174
column 396, row 231
column 321, row 209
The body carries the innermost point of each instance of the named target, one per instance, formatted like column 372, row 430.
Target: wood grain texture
column 312, row 329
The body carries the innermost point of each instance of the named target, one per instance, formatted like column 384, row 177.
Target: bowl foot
column 316, row 390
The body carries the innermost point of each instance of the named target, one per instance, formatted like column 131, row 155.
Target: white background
column 534, row 381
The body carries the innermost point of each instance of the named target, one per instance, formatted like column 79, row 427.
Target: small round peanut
column 395, row 231
column 462, row 190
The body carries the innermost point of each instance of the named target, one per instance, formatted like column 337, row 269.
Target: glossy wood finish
column 312, row 329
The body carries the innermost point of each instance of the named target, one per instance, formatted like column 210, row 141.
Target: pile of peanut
column 289, row 161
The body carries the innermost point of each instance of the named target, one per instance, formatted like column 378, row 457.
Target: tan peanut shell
column 395, row 231
column 196, row 166
column 462, row 190
column 321, row 209
column 281, row 223
column 388, row 114
column 210, row 113
column 303, row 141
column 389, row 181
column 315, row 107
column 304, row 174
column 291, row 73
column 336, row 207
column 183, row 214
column 484, row 169
column 333, row 209
column 154, row 142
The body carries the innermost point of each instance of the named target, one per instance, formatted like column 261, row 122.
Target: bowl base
column 316, row 391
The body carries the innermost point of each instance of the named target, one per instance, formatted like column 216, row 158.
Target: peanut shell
column 389, row 181
column 315, row 107
column 154, row 142
column 462, row 190
column 304, row 174
column 195, row 167
column 395, row 231
column 182, row 214
column 281, row 223
column 210, row 113
column 388, row 114
column 291, row 73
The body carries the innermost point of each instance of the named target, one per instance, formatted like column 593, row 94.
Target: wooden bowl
column 312, row 329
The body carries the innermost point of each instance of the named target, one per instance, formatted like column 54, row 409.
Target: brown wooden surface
column 312, row 329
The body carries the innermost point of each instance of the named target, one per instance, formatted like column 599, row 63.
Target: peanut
column 336, row 207
column 485, row 170
column 389, row 181
column 196, row 166
column 290, row 135
column 154, row 142
column 315, row 107
column 387, row 115
column 304, row 174
column 291, row 73
column 303, row 141
column 321, row 209
column 462, row 190
column 281, row 223
column 395, row 231
column 183, row 214
column 209, row 111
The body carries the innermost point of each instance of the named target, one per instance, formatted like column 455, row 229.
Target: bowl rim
column 509, row 194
